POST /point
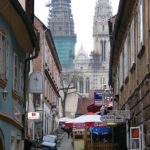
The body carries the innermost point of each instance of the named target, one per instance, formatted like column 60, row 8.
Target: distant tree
column 68, row 81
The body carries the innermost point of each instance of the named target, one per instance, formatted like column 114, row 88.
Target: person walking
column 69, row 131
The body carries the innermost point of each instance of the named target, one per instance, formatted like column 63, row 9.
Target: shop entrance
column 1, row 144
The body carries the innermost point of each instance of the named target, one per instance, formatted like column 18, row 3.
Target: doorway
column 1, row 140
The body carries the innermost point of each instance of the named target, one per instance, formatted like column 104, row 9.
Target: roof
column 83, row 103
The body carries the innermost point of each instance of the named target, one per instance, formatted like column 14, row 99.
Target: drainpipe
column 25, row 86
column 43, row 68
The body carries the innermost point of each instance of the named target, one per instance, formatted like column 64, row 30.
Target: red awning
column 93, row 108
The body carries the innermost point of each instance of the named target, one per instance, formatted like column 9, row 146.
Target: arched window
column 103, row 48
column 81, row 86
column 104, row 55
column 87, row 85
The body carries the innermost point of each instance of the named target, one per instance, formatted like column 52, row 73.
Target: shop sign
column 33, row 115
column 111, row 118
column 120, row 113
column 135, row 138
column 79, row 125
column 99, row 97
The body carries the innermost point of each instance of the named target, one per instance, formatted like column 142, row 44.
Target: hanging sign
column 33, row 115
column 99, row 97
column 36, row 82
column 111, row 118
column 120, row 113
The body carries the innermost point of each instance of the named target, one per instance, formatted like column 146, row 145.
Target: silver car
column 49, row 142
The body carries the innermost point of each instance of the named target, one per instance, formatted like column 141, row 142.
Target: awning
column 93, row 108
column 101, row 131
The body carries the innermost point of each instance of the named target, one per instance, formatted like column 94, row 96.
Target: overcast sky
column 83, row 13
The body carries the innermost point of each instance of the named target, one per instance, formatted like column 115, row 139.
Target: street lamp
column 4, row 93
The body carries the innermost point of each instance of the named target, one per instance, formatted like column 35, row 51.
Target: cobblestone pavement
column 66, row 144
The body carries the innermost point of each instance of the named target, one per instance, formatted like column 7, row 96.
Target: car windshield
column 50, row 139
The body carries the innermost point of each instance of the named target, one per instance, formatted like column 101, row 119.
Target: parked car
column 49, row 142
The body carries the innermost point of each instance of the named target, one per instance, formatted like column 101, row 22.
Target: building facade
column 46, row 102
column 130, row 71
column 17, row 41
column 61, row 24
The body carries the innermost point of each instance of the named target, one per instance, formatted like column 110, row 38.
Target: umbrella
column 85, row 121
column 101, row 131
column 64, row 119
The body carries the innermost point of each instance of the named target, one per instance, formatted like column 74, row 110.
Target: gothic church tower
column 103, row 11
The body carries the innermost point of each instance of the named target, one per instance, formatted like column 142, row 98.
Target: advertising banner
column 99, row 97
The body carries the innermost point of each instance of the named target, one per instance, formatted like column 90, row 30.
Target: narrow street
column 65, row 143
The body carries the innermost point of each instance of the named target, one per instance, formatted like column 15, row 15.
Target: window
column 3, row 54
column 15, row 77
column 104, row 80
column 117, row 82
column 132, row 41
column 87, row 85
column 103, row 28
column 121, row 70
column 140, row 25
column 36, row 99
column 81, row 85
column 125, row 58
column 21, row 78
column 103, row 49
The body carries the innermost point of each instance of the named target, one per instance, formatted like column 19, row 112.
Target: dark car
column 49, row 142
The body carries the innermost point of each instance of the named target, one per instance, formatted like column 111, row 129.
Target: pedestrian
column 69, row 131
column 27, row 144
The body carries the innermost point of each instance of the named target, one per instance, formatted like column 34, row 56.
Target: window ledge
column 141, row 52
column 132, row 68
column 17, row 97
column 3, row 82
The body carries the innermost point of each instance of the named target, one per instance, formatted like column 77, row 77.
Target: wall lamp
column 4, row 93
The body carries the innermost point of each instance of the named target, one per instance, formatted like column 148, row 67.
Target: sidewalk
column 66, row 144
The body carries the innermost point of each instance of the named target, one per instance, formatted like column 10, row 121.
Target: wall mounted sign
column 33, row 115
column 36, row 82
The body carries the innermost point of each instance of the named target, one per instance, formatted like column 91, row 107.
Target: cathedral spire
column 103, row 12
column 60, row 19
column 61, row 24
